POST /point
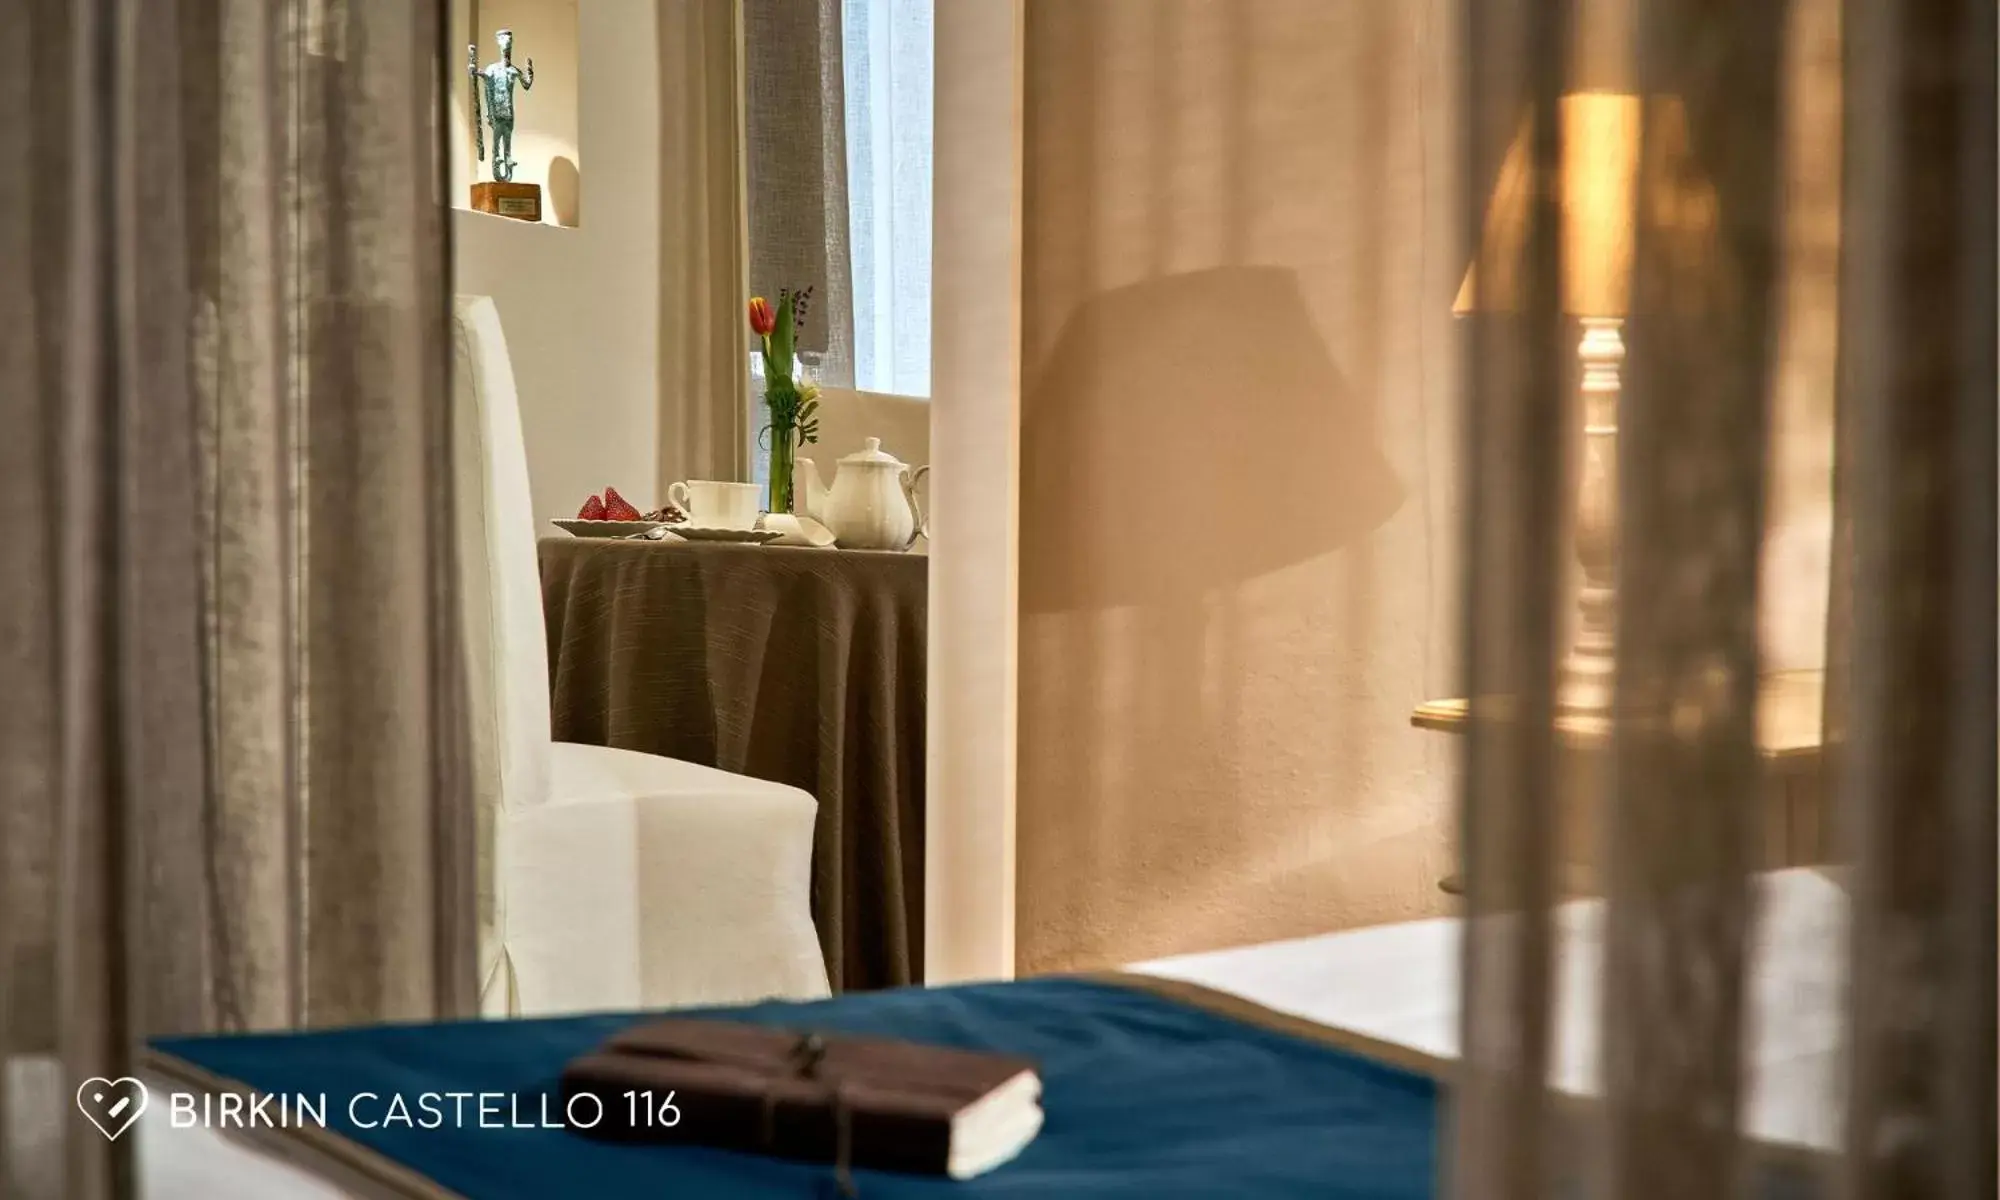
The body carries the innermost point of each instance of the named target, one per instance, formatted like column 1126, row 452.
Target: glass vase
column 784, row 451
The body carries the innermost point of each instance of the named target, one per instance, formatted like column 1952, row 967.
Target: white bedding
column 1399, row 983
column 1393, row 982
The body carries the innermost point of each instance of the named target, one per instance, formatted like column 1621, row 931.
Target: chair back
column 847, row 418
column 507, row 654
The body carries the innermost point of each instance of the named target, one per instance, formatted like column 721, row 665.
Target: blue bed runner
column 1147, row 1095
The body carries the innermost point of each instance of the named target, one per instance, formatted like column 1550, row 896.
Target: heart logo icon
column 111, row 1104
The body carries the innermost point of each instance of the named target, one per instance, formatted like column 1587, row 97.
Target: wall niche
column 545, row 126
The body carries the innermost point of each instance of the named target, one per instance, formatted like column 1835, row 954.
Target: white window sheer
column 886, row 69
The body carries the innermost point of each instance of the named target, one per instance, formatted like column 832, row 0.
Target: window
column 886, row 77
column 884, row 64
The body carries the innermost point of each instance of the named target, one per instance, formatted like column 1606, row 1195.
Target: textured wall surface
column 1239, row 459
column 1237, row 471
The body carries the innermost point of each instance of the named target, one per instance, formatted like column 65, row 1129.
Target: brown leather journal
column 849, row 1101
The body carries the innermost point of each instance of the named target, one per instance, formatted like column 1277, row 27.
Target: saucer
column 606, row 529
column 709, row 533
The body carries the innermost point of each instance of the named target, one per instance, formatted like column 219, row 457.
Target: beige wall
column 581, row 306
column 970, row 745
column 1237, row 472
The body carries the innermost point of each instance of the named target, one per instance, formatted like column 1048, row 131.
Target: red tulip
column 762, row 319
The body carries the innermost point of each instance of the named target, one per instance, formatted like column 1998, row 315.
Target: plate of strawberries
column 611, row 515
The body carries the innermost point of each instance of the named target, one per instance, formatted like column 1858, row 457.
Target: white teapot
column 872, row 504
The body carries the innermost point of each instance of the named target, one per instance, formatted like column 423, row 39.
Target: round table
column 798, row 665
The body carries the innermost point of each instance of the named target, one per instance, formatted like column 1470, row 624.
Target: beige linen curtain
column 704, row 342
column 232, row 788
column 1910, row 712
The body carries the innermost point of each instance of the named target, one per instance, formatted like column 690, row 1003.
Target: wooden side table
column 1788, row 738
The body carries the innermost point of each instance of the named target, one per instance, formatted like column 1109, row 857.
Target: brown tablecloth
column 801, row 666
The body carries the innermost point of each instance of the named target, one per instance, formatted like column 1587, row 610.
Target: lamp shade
column 1600, row 158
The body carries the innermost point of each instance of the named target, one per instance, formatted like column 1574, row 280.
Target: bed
column 1384, row 994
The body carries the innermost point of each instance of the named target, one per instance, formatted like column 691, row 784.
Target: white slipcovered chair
column 847, row 418
column 609, row 879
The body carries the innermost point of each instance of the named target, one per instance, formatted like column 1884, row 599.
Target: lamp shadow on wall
column 1188, row 435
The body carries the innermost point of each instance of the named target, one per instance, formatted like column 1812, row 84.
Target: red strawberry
column 617, row 507
column 592, row 510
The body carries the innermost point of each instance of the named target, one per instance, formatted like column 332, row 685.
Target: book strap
column 807, row 1060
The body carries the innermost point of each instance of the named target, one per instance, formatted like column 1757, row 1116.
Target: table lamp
column 1600, row 133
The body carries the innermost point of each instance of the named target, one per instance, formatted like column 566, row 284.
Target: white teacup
column 712, row 504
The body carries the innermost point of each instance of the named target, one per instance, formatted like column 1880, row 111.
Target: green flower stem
column 784, row 454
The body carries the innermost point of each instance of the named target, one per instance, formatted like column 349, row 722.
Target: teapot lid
column 871, row 452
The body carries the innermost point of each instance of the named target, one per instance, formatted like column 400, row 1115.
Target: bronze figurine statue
column 497, row 82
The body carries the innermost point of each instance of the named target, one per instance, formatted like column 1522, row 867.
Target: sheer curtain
column 232, row 760
column 1909, row 710
column 886, row 50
